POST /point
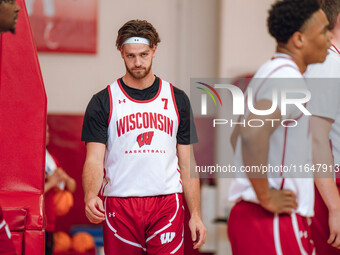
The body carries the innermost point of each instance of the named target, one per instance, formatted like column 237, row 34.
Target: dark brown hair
column 332, row 10
column 137, row 28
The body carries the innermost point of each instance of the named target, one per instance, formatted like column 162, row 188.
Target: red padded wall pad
column 18, row 240
column 22, row 128
column 16, row 220
column 34, row 242
column 22, row 111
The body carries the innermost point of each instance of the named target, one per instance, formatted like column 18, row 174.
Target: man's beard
column 139, row 75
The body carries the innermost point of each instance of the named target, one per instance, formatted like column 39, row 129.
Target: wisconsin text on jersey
column 145, row 120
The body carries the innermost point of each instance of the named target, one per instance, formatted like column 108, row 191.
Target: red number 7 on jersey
column 165, row 100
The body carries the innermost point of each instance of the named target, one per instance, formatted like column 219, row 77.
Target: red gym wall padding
column 22, row 137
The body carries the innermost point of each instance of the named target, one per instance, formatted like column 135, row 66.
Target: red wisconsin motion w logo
column 145, row 138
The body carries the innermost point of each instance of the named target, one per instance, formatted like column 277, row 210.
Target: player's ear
column 121, row 51
column 298, row 39
column 337, row 24
column 154, row 51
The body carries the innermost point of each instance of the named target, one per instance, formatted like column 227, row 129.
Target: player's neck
column 336, row 40
column 294, row 55
column 143, row 83
column 336, row 35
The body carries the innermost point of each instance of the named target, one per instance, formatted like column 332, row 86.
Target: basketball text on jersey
column 167, row 237
column 145, row 120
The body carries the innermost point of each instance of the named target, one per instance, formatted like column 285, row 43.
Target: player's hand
column 54, row 179
column 62, row 174
column 280, row 201
column 334, row 229
column 198, row 231
column 94, row 210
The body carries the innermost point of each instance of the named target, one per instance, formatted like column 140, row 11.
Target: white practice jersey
column 326, row 95
column 140, row 157
column 50, row 167
column 288, row 146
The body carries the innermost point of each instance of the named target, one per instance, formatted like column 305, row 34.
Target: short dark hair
column 137, row 28
column 289, row 16
column 332, row 10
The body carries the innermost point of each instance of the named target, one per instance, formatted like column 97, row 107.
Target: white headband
column 137, row 40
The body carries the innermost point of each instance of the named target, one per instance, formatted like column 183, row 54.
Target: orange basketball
column 82, row 242
column 62, row 242
column 63, row 201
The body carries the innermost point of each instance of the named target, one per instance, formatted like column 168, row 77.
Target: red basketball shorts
column 144, row 225
column 320, row 227
column 6, row 244
column 253, row 230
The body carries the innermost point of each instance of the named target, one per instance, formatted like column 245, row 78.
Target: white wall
column 244, row 41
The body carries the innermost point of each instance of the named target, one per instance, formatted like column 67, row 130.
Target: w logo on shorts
column 167, row 237
column 145, row 138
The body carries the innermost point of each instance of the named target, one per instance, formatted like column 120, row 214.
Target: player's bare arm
column 322, row 154
column 255, row 147
column 92, row 180
column 52, row 181
column 191, row 188
column 69, row 181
